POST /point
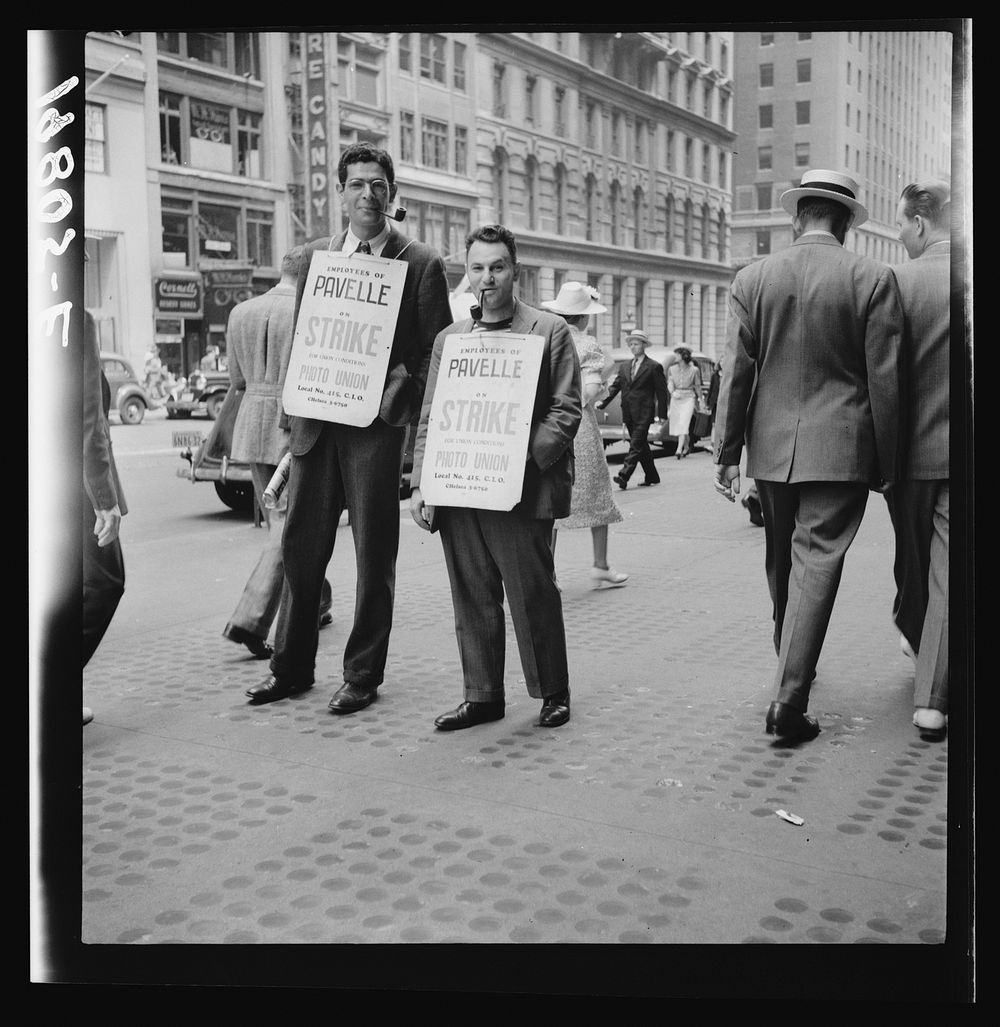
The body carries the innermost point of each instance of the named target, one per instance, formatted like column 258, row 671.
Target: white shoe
column 88, row 714
column 906, row 649
column 932, row 724
column 609, row 578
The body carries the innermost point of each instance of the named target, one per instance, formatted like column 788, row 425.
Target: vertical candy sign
column 343, row 338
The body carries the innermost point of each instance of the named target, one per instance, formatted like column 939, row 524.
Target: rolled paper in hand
column 278, row 482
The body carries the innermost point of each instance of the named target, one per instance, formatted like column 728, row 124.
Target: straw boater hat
column 575, row 298
column 637, row 333
column 830, row 185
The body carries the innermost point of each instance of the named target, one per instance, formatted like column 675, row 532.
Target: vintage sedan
column 128, row 396
column 207, row 459
column 203, row 392
column 609, row 419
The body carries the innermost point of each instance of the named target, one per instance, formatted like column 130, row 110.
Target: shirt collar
column 819, row 231
column 352, row 242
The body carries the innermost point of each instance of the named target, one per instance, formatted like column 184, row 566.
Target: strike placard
column 343, row 337
column 480, row 420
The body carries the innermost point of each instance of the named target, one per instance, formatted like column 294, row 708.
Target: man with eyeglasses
column 337, row 466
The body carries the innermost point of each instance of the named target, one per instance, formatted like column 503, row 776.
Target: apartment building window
column 500, row 182
column 218, row 231
column 248, row 144
column 724, row 108
column 764, row 157
column 767, row 74
column 95, row 154
column 847, row 156
column 175, row 225
column 765, row 115
column 590, row 124
column 722, row 235
column 406, row 52
column 668, row 224
column 406, row 149
column 260, row 237
column 763, row 242
column 560, row 111
column 359, row 70
column 802, row 112
column 247, row 53
column 434, row 143
column 689, row 158
column 530, row 83
column 765, row 191
column 432, row 57
column 672, row 85
column 461, row 150
column 848, row 116
column 616, row 134
column 848, row 72
column 170, row 128
column 706, row 162
column 803, row 36
column 458, row 72
column 801, row 155
column 803, row 70
column 210, row 136
column 706, row 221
column 559, row 186
column 671, row 144
column 724, row 58
column 640, row 141
column 688, row 229
column 499, row 89
column 767, row 39
column 235, row 52
column 590, row 191
column 531, row 190
column 638, row 208
column 707, row 100
column 209, row 47
column 722, row 169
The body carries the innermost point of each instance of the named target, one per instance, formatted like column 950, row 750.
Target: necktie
column 364, row 248
column 635, row 366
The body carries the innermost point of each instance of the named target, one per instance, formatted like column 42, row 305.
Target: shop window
column 210, row 138
column 95, row 159
column 175, row 222
column 248, row 144
column 170, row 128
column 260, row 238
column 218, row 231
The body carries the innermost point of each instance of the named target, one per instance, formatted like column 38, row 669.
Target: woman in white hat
column 684, row 386
column 592, row 505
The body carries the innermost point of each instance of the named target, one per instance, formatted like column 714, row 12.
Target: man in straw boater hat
column 810, row 380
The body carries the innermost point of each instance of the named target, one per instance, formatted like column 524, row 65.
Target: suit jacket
column 555, row 417
column 100, row 475
column 642, row 395
column 925, row 293
column 258, row 347
column 424, row 310
column 811, row 374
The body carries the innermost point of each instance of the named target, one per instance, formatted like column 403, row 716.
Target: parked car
column 128, row 396
column 609, row 419
column 232, row 479
column 201, row 393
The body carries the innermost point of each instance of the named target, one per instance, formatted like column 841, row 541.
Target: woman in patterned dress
column 593, row 504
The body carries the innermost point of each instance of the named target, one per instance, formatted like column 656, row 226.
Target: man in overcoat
column 919, row 504
column 810, row 381
column 258, row 348
column 337, row 466
column 643, row 387
column 493, row 553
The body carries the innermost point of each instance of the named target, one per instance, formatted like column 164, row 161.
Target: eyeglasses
column 379, row 186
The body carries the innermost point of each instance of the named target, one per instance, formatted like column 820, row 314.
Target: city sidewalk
column 652, row 817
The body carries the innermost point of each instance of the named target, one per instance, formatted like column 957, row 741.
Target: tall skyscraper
column 874, row 104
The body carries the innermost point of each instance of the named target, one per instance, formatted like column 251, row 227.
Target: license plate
column 183, row 439
column 186, row 397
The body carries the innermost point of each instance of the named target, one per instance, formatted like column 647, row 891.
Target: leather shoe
column 257, row 645
column 275, row 688
column 88, row 715
column 555, row 710
column 469, row 714
column 752, row 506
column 350, row 698
column 932, row 724
column 325, row 619
column 789, row 724
column 649, row 481
column 620, row 481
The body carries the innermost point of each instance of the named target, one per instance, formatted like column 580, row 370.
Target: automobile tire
column 236, row 495
column 132, row 410
column 214, row 405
